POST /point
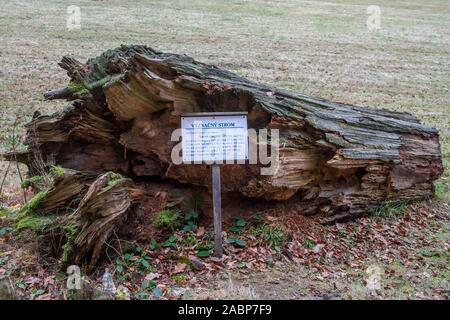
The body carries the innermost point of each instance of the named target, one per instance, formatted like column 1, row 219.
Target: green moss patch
column 113, row 180
column 29, row 208
column 56, row 171
column 31, row 181
column 71, row 231
column 37, row 223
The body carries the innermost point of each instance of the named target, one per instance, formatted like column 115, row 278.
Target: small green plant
column 153, row 245
column 203, row 253
column 4, row 212
column 191, row 215
column 269, row 261
column 388, row 209
column 184, row 259
column 189, row 226
column 4, row 260
column 309, row 243
column 121, row 265
column 190, row 218
column 143, row 263
column 4, row 230
column 204, row 249
column 190, row 239
column 148, row 285
column 237, row 242
column 56, row 171
column 71, row 231
column 20, row 283
column 238, row 224
column 137, row 258
column 271, row 234
column 441, row 189
column 179, row 278
column 35, row 292
column 168, row 219
column 171, row 242
column 142, row 295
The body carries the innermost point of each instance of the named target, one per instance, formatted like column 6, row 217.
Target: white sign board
column 214, row 137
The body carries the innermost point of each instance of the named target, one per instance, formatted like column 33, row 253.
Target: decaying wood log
column 60, row 93
column 75, row 218
column 101, row 212
column 341, row 159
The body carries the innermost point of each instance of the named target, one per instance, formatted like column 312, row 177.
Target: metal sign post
column 217, row 207
column 214, row 138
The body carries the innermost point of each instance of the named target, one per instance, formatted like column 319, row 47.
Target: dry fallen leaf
column 46, row 296
column 180, row 267
column 317, row 248
column 200, row 231
column 152, row 276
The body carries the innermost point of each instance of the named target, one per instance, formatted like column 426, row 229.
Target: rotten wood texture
column 341, row 159
column 66, row 192
column 100, row 213
column 82, row 211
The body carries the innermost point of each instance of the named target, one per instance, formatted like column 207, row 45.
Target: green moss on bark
column 29, row 208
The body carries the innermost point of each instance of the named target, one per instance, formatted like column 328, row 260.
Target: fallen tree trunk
column 340, row 159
